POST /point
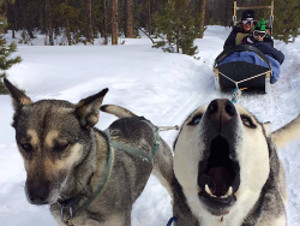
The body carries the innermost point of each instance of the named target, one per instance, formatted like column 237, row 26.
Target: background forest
column 68, row 22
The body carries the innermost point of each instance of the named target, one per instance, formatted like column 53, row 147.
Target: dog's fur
column 221, row 146
column 65, row 157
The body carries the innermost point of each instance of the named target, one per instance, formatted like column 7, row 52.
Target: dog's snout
column 38, row 193
column 221, row 110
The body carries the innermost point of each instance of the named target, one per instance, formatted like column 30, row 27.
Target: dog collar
column 67, row 211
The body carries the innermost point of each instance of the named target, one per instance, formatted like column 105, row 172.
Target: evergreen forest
column 68, row 22
column 173, row 24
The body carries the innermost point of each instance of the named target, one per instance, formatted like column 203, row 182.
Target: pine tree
column 287, row 20
column 176, row 27
column 5, row 51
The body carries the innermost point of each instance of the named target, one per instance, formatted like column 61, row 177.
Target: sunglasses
column 261, row 34
column 247, row 21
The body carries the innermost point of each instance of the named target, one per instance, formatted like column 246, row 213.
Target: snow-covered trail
column 165, row 88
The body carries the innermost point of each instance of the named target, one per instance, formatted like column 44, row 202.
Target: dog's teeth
column 229, row 192
column 208, row 191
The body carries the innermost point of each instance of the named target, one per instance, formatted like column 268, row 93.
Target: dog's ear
column 287, row 133
column 19, row 97
column 87, row 109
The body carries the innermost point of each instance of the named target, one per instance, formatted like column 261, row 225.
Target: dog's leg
column 287, row 133
column 163, row 166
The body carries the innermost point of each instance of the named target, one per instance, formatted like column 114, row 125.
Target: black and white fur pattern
column 227, row 171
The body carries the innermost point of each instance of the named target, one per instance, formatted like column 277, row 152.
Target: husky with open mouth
column 227, row 170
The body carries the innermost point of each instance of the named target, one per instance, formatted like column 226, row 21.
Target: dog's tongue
column 221, row 177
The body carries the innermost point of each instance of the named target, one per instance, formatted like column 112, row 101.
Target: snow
column 163, row 87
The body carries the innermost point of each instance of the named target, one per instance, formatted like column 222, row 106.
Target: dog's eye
column 196, row 119
column 60, row 147
column 247, row 121
column 26, row 147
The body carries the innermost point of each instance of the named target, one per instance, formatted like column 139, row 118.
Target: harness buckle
column 157, row 142
column 69, row 214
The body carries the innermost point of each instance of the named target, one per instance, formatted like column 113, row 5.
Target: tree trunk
column 202, row 19
column 4, row 8
column 49, row 21
column 13, row 25
column 177, row 42
column 89, row 22
column 43, row 18
column 68, row 33
column 129, row 27
column 105, row 23
column 149, row 17
column 114, row 22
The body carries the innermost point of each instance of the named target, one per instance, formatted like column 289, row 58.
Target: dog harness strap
column 137, row 152
column 157, row 140
column 172, row 219
column 131, row 150
column 108, row 169
column 101, row 186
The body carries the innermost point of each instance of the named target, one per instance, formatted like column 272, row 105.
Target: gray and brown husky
column 89, row 177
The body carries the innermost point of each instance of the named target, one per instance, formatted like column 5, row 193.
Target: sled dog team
column 224, row 171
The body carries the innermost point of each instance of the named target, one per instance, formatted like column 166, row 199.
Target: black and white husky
column 226, row 167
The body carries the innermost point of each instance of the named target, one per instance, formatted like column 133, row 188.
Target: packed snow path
column 164, row 88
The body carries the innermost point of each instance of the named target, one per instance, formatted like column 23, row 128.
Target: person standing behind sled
column 241, row 30
column 260, row 34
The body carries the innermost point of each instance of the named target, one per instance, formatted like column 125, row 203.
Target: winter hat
column 248, row 14
column 261, row 26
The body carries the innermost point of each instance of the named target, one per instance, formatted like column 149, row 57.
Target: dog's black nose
column 221, row 110
column 37, row 194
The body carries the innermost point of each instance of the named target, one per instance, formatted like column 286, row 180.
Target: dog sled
column 243, row 67
column 246, row 67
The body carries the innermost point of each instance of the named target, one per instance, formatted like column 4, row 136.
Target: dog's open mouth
column 218, row 177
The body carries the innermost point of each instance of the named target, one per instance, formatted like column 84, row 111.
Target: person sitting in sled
column 262, row 41
column 260, row 34
column 241, row 30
